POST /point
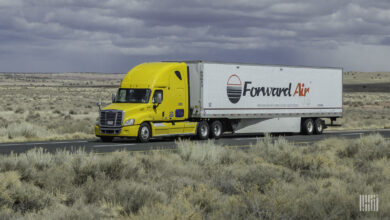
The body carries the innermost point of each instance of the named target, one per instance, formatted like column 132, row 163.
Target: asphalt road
column 96, row 145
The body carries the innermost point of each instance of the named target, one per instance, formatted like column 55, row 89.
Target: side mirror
column 99, row 104
column 158, row 98
column 113, row 97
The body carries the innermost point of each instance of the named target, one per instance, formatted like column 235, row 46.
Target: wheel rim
column 144, row 133
column 310, row 126
column 203, row 130
column 319, row 127
column 217, row 130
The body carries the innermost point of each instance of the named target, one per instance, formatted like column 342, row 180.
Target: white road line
column 41, row 143
column 112, row 145
column 351, row 134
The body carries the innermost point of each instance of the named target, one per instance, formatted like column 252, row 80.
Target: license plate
column 110, row 122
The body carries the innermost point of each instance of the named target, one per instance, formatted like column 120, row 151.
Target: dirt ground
column 366, row 77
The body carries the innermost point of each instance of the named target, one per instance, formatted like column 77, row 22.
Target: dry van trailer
column 246, row 98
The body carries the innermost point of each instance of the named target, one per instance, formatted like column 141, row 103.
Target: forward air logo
column 235, row 90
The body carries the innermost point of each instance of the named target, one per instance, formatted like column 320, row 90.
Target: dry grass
column 60, row 79
column 364, row 77
column 51, row 106
column 273, row 179
column 365, row 111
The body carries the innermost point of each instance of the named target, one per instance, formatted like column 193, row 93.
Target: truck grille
column 111, row 118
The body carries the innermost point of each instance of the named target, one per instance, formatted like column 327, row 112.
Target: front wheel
column 216, row 129
column 144, row 133
column 203, row 130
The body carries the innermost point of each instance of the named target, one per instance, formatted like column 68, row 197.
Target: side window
column 178, row 74
column 158, row 96
column 122, row 95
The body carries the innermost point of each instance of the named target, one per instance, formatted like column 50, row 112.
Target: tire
column 308, row 126
column 144, row 133
column 318, row 126
column 216, row 129
column 106, row 139
column 203, row 130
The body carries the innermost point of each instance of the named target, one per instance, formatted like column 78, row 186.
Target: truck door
column 160, row 110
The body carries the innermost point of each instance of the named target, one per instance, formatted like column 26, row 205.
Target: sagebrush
column 272, row 179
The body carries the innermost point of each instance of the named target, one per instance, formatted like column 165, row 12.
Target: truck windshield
column 133, row 96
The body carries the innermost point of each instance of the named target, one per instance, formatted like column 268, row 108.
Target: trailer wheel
column 106, row 139
column 216, row 129
column 203, row 130
column 144, row 133
column 308, row 126
column 318, row 126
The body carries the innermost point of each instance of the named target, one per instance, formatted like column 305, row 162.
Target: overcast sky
column 115, row 35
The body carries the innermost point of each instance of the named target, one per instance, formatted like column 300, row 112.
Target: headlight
column 129, row 122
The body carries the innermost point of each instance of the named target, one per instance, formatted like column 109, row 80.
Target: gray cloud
column 114, row 35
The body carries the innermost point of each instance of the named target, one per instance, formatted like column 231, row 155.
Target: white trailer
column 246, row 98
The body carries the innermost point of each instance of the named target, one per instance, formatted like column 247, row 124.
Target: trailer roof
column 254, row 64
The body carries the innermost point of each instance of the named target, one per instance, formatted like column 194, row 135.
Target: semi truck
column 208, row 99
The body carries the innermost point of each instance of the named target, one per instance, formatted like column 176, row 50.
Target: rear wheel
column 203, row 130
column 144, row 133
column 318, row 126
column 308, row 126
column 106, row 139
column 216, row 129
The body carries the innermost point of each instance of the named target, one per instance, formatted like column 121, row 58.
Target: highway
column 95, row 145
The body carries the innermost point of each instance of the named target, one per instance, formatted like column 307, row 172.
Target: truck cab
column 152, row 101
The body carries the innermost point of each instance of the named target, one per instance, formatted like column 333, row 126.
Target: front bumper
column 126, row 131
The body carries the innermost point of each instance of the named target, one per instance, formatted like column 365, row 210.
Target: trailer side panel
column 255, row 91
